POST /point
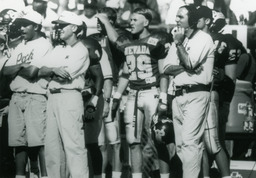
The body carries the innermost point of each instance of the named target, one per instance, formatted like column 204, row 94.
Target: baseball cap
column 204, row 12
column 90, row 3
column 138, row 1
column 67, row 17
column 29, row 15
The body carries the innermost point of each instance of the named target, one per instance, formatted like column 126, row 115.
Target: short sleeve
column 105, row 65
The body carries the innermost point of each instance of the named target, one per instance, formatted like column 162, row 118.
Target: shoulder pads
column 94, row 48
column 160, row 43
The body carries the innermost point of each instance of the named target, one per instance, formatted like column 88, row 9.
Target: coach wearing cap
column 65, row 67
column 191, row 66
column 27, row 116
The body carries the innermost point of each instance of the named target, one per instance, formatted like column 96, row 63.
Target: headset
column 192, row 15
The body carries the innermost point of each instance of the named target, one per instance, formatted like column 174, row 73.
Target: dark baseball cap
column 138, row 1
column 204, row 12
column 90, row 3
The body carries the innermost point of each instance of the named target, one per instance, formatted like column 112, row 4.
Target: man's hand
column 103, row 18
column 178, row 34
column 197, row 70
column 60, row 71
column 106, row 110
column 59, row 79
column 115, row 107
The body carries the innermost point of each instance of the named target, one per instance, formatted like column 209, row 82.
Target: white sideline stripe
column 243, row 165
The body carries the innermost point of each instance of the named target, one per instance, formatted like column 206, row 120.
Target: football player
column 10, row 29
column 228, row 50
column 143, row 72
column 98, row 79
column 110, row 131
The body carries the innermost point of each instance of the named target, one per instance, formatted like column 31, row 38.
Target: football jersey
column 104, row 42
column 116, row 58
column 228, row 51
column 142, row 61
column 104, row 69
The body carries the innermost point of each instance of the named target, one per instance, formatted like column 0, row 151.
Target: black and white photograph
column 127, row 89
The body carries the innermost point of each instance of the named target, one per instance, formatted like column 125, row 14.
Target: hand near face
column 102, row 18
column 178, row 34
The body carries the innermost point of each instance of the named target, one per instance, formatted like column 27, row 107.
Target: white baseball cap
column 68, row 17
column 30, row 15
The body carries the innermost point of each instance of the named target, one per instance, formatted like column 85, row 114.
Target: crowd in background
column 240, row 12
column 164, row 17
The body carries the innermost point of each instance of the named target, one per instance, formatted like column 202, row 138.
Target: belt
column 146, row 88
column 55, row 91
column 24, row 92
column 180, row 90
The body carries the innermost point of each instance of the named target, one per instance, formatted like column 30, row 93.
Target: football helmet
column 7, row 23
column 162, row 129
column 219, row 21
column 7, row 16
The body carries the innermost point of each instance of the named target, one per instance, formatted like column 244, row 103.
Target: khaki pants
column 189, row 113
column 64, row 144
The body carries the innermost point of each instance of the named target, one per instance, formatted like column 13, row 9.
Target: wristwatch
column 178, row 43
column 107, row 100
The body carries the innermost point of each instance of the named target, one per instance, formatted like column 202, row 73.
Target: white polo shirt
column 75, row 60
column 200, row 49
